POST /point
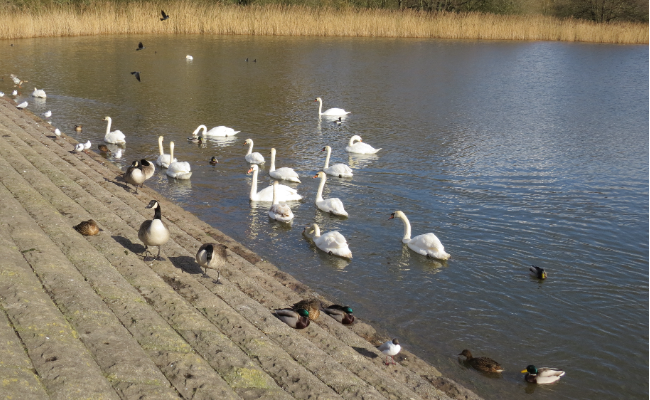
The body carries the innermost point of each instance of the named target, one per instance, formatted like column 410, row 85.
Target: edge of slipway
column 87, row 317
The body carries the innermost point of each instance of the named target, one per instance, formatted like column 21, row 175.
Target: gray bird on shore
column 137, row 75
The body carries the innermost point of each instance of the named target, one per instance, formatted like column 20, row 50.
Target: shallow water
column 512, row 153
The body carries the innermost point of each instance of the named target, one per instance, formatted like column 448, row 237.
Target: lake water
column 512, row 153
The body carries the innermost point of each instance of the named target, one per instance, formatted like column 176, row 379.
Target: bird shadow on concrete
column 186, row 264
column 136, row 248
column 365, row 352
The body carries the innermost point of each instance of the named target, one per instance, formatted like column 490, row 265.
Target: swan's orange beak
column 392, row 216
column 249, row 171
column 315, row 176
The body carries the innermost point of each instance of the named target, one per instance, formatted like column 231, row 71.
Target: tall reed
column 190, row 17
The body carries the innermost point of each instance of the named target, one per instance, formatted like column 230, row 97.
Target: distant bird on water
column 213, row 161
column 47, row 114
column 22, row 105
column 537, row 272
column 164, row 16
column 140, row 46
column 481, row 363
column 103, row 148
column 78, row 128
column 137, row 75
column 189, row 57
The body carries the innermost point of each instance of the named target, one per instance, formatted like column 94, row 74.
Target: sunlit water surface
column 512, row 153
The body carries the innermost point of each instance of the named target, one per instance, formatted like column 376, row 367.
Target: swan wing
column 285, row 173
column 255, row 158
column 221, row 131
column 428, row 244
column 335, row 243
column 284, row 193
column 115, row 137
column 281, row 212
column 335, row 111
column 164, row 160
column 361, row 148
column 339, row 170
column 333, row 205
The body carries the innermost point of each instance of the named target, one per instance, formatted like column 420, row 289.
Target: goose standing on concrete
column 213, row 256
column 148, row 168
column 115, row 137
column 153, row 232
column 134, row 175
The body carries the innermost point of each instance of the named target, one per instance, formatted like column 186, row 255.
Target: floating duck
column 311, row 305
column 391, row 348
column 214, row 161
column 295, row 319
column 103, row 148
column 542, row 376
column 481, row 363
column 87, row 228
column 343, row 314
column 78, row 128
column 538, row 272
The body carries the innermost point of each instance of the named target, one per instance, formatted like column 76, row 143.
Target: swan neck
column 320, row 107
column 171, row 152
column 351, row 141
column 160, row 146
column 275, row 192
column 316, row 230
column 254, row 184
column 327, row 159
column 272, row 168
column 250, row 147
column 108, row 124
column 319, row 194
column 407, row 227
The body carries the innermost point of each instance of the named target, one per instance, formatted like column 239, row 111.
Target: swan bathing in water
column 340, row 170
column 331, row 242
column 331, row 205
column 284, row 193
column 284, row 173
column 178, row 169
column 115, row 137
column 331, row 112
column 221, row 131
column 426, row 244
column 163, row 159
column 356, row 145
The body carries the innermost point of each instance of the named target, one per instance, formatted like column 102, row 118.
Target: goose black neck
column 157, row 213
column 209, row 250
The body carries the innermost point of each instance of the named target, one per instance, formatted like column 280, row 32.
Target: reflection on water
column 511, row 153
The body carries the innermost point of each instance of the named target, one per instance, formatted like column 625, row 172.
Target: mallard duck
column 201, row 143
column 391, row 348
column 481, row 363
column 295, row 319
column 214, row 161
column 543, row 375
column 538, row 272
column 343, row 314
column 147, row 168
column 103, row 148
column 87, row 228
column 311, row 305
column 134, row 175
column 78, row 128
column 153, row 232
column 213, row 256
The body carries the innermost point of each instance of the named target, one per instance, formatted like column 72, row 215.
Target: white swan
column 115, row 137
column 359, row 147
column 195, row 134
column 332, row 112
column 426, row 244
column 285, row 193
column 340, row 170
column 40, row 93
column 279, row 212
column 284, row 173
column 253, row 158
column 221, row 131
column 163, row 159
column 331, row 205
column 331, row 242
column 178, row 169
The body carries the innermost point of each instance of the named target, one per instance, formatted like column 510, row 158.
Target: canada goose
column 343, row 314
column 87, row 228
column 311, row 305
column 153, row 232
column 134, row 175
column 482, row 363
column 147, row 168
column 391, row 348
column 213, row 256
column 295, row 319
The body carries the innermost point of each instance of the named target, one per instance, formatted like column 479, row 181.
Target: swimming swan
column 115, row 137
column 426, row 244
column 331, row 205
column 332, row 242
column 279, row 212
column 284, row 173
column 285, row 193
column 333, row 112
column 195, row 135
column 163, row 159
column 40, row 93
column 359, row 147
column 178, row 169
column 340, row 170
column 221, row 131
column 253, row 158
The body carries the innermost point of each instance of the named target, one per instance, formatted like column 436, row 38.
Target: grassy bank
column 189, row 17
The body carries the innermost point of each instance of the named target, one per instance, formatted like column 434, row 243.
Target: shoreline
column 108, row 18
column 96, row 301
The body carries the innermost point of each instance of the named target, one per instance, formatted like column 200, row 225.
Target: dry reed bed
column 199, row 18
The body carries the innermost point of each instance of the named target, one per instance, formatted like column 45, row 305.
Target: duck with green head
column 542, row 376
column 297, row 319
column 538, row 272
column 343, row 314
